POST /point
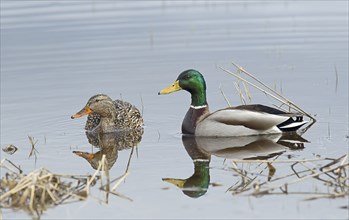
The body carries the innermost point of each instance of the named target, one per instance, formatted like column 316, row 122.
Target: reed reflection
column 200, row 150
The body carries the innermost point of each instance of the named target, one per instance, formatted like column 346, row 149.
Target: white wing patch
column 294, row 124
column 248, row 119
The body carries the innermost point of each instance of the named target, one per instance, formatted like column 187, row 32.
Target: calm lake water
column 56, row 54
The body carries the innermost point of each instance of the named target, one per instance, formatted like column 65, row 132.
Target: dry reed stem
column 33, row 143
column 129, row 160
column 329, row 196
column 2, row 164
column 257, row 87
column 121, row 196
column 298, row 180
column 242, row 98
column 26, row 194
column 280, row 107
column 103, row 167
column 272, row 90
column 123, row 177
column 40, row 189
column 119, row 180
column 225, row 97
column 275, row 161
column 247, row 92
column 277, row 96
column 336, row 170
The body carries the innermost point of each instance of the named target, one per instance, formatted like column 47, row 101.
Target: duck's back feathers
column 247, row 120
column 127, row 117
column 260, row 108
column 294, row 120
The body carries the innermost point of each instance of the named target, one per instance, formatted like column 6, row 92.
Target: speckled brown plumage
column 127, row 116
column 93, row 120
column 105, row 115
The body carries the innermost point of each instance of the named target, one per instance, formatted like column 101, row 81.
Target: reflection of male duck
column 248, row 147
column 110, row 144
column 200, row 150
column 196, row 185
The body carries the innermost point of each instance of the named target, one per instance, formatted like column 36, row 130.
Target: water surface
column 56, row 54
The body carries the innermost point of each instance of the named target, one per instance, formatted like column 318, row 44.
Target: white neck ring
column 198, row 107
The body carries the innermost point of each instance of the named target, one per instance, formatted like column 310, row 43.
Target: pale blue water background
column 56, row 54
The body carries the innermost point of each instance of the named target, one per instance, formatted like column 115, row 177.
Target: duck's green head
column 191, row 81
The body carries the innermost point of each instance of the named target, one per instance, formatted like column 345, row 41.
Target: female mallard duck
column 233, row 121
column 106, row 115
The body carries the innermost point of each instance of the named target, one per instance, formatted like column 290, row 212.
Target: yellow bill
column 177, row 182
column 172, row 88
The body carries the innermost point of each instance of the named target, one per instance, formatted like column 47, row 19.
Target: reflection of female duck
column 110, row 144
column 111, row 155
column 234, row 121
column 107, row 115
column 200, row 150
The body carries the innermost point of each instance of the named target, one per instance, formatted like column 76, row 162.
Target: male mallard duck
column 232, row 121
column 106, row 115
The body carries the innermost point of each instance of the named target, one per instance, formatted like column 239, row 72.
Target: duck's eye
column 97, row 100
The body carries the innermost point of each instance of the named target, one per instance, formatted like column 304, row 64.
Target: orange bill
column 84, row 155
column 82, row 112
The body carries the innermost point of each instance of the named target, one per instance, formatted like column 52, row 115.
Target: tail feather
column 292, row 124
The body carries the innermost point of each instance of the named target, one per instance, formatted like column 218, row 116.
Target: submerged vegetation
column 257, row 177
column 41, row 189
column 10, row 149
